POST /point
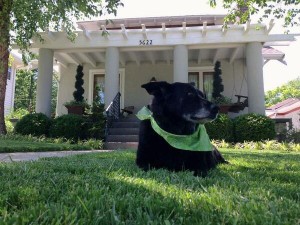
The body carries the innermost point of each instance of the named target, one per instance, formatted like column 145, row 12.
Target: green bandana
column 198, row 141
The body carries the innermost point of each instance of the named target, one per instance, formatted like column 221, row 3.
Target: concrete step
column 123, row 134
column 129, row 119
column 120, row 145
column 118, row 124
column 124, row 131
column 122, row 138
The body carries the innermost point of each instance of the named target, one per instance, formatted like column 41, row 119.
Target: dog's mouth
column 203, row 118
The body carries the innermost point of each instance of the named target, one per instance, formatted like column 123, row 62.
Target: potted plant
column 222, row 101
column 78, row 105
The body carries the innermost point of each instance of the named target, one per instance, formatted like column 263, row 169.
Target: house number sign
column 146, row 42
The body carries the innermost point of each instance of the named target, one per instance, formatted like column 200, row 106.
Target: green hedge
column 248, row 127
column 36, row 124
column 253, row 127
column 221, row 128
column 69, row 126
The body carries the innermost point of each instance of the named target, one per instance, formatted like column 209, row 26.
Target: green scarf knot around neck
column 198, row 141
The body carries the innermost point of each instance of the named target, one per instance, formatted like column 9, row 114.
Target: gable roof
column 272, row 53
column 285, row 103
column 283, row 108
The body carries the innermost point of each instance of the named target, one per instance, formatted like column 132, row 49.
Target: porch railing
column 112, row 112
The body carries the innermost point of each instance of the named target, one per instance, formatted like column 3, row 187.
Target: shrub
column 97, row 119
column 291, row 135
column 221, row 128
column 92, row 143
column 68, row 126
column 17, row 114
column 36, row 124
column 253, row 127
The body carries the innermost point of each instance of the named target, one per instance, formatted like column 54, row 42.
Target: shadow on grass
column 108, row 188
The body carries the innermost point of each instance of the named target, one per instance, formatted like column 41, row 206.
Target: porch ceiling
column 148, row 56
column 151, row 56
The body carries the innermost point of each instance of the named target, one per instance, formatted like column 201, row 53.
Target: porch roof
column 152, row 40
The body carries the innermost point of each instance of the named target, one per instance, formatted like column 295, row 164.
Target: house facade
column 9, row 94
column 287, row 109
column 173, row 49
column 11, row 82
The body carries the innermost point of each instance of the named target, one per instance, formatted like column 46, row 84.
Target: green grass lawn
column 18, row 143
column 28, row 146
column 258, row 187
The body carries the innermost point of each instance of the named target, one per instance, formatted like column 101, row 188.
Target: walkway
column 31, row 156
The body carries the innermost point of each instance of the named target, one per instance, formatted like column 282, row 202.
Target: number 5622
column 145, row 42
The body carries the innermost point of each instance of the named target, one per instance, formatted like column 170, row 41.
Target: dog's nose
column 214, row 108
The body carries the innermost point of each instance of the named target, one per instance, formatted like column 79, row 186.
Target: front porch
column 177, row 49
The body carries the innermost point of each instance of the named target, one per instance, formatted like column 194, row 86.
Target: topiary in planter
column 36, row 124
column 221, row 128
column 68, row 126
column 218, row 87
column 78, row 93
column 254, row 127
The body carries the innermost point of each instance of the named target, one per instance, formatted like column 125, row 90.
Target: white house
column 11, row 81
column 17, row 63
column 174, row 49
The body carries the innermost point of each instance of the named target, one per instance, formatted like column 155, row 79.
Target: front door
column 97, row 79
column 98, row 86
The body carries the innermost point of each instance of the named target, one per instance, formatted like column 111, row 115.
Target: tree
column 25, row 90
column 241, row 10
column 279, row 94
column 25, row 18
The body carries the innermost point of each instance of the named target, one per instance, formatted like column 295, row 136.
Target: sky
column 275, row 73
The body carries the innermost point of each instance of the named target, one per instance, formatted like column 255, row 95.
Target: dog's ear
column 157, row 88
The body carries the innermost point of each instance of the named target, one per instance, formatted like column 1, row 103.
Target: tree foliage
column 22, row 20
column 31, row 17
column 241, row 10
column 279, row 94
column 25, row 90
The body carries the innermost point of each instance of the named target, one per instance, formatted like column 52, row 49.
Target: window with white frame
column 203, row 80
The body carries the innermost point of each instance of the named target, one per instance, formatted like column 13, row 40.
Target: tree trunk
column 5, row 9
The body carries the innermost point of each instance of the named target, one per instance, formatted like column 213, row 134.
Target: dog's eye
column 190, row 94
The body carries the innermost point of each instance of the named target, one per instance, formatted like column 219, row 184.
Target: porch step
column 129, row 119
column 124, row 131
column 123, row 134
column 125, row 124
column 122, row 138
column 120, row 145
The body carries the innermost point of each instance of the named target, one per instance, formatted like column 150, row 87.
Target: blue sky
column 275, row 73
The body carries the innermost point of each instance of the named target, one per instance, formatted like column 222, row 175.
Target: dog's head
column 181, row 100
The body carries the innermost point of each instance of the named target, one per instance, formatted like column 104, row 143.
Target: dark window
column 9, row 74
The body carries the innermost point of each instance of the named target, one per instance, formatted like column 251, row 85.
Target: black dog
column 178, row 109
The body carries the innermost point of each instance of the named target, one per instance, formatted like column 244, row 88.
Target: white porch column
column 180, row 64
column 111, row 74
column 44, row 81
column 255, row 80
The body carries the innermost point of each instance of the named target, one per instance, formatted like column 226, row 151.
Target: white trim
column 122, row 86
column 102, row 71
column 194, row 36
